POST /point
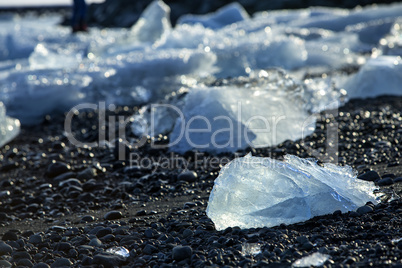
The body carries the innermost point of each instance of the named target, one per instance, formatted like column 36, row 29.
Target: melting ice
column 44, row 69
column 9, row 127
column 255, row 192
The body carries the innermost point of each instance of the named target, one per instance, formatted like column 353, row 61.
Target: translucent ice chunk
column 263, row 112
column 9, row 127
column 153, row 23
column 315, row 259
column 379, row 76
column 119, row 251
column 251, row 249
column 226, row 15
column 255, row 192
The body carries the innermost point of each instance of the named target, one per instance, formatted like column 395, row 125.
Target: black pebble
column 87, row 218
column 188, row 176
column 113, row 215
column 104, row 231
column 57, row 168
column 182, row 252
column 364, row 209
column 41, row 265
column 385, row 181
column 370, row 176
column 10, row 236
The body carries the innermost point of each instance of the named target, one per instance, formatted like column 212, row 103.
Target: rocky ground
column 66, row 206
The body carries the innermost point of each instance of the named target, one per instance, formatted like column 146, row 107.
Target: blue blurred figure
column 78, row 21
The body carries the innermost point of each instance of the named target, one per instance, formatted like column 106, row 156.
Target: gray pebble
column 35, row 239
column 95, row 242
column 5, row 249
column 5, row 264
column 61, row 262
column 364, row 209
column 41, row 265
column 107, row 260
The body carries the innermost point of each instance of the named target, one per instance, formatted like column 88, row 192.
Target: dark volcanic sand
column 45, row 216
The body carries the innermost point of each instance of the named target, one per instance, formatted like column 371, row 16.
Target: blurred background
column 124, row 13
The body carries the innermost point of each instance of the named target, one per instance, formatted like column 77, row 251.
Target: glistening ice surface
column 9, row 127
column 256, row 192
column 44, row 69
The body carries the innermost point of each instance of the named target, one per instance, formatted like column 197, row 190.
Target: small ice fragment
column 396, row 240
column 9, row 127
column 250, row 249
column 119, row 251
column 253, row 192
column 315, row 259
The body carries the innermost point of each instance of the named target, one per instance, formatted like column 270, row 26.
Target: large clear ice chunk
column 255, row 192
column 9, row 127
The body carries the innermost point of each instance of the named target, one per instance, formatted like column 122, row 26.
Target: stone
column 61, row 262
column 41, row 265
column 10, row 236
column 95, row 242
column 87, row 218
column 5, row 264
column 107, row 260
column 180, row 253
column 113, row 215
column 5, row 249
column 370, row 176
column 188, row 176
column 364, row 209
column 35, row 239
column 385, row 181
column 57, row 168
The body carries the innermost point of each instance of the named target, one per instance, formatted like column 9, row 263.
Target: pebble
column 104, row 231
column 57, row 168
column 385, row 182
column 35, row 239
column 10, row 236
column 113, row 215
column 41, row 265
column 370, row 176
column 87, row 218
column 149, row 249
column 24, row 262
column 61, row 262
column 5, row 249
column 364, row 209
column 107, row 260
column 181, row 253
column 95, row 242
column 188, row 176
column 5, row 264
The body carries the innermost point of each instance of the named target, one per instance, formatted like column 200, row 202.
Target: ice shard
column 9, row 127
column 255, row 192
